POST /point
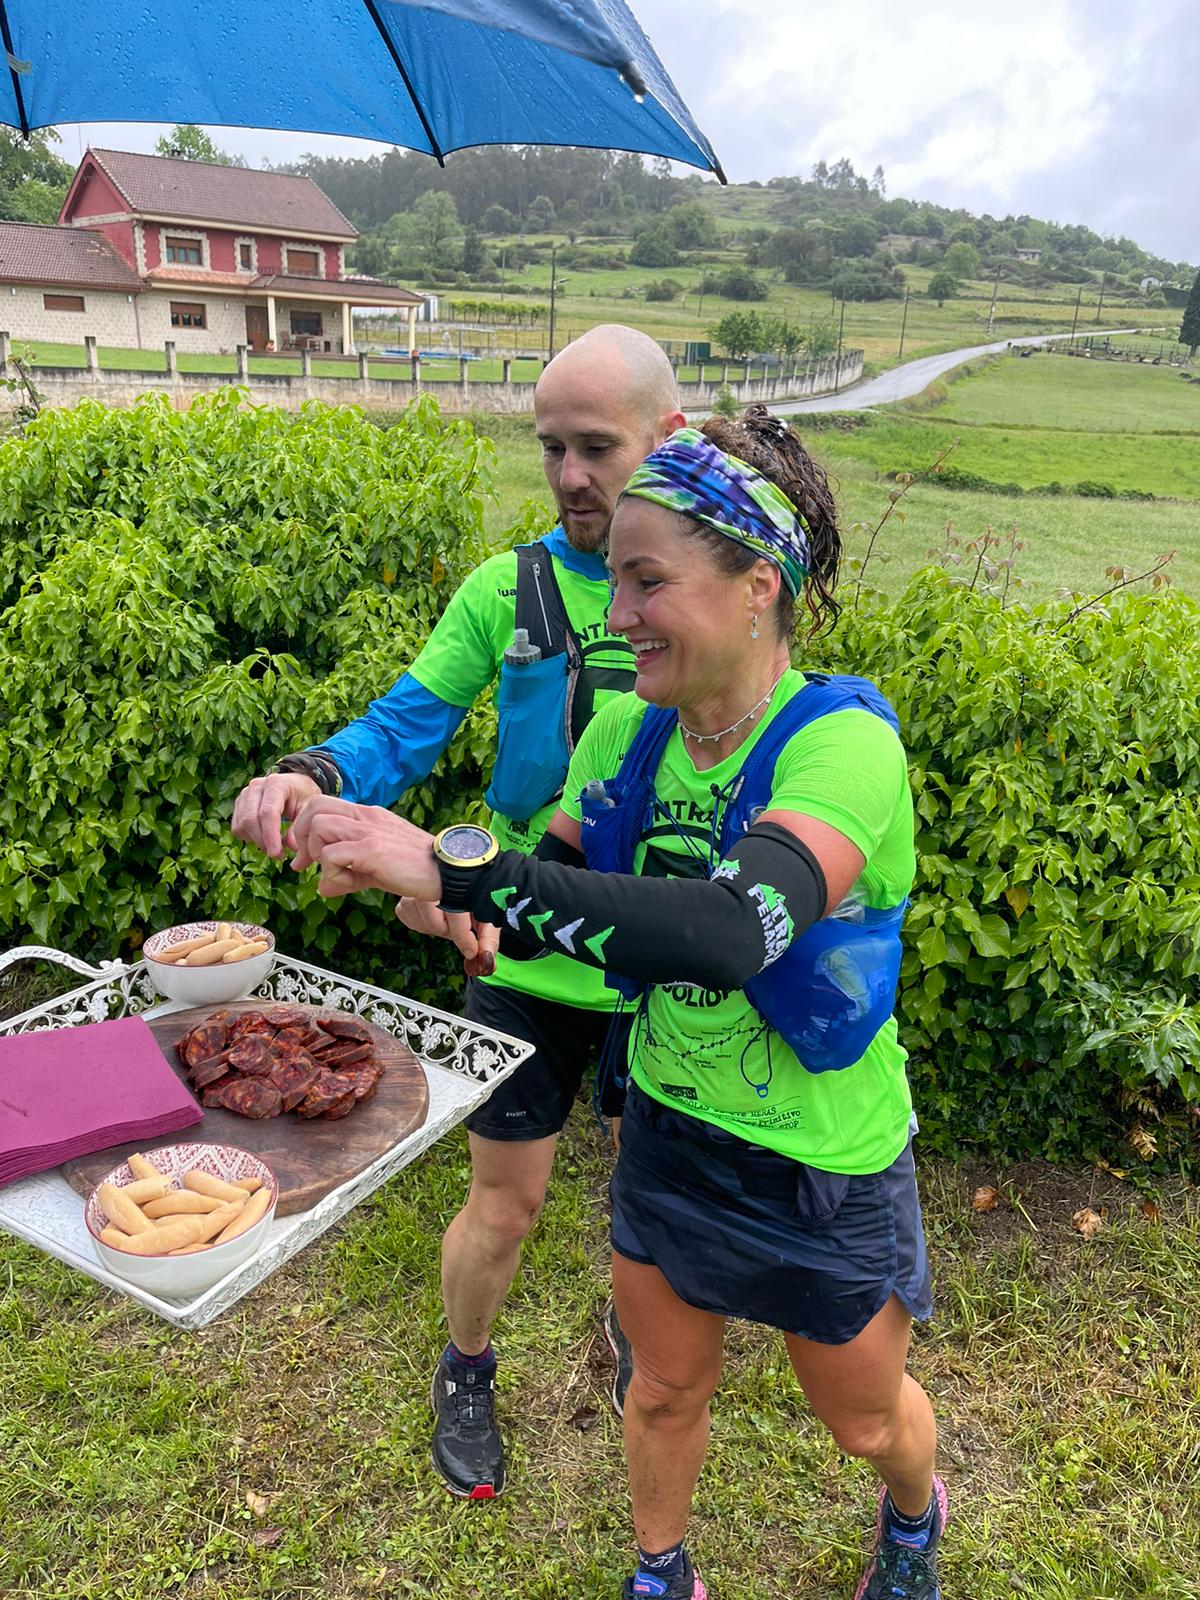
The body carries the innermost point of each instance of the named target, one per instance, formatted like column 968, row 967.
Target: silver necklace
column 712, row 738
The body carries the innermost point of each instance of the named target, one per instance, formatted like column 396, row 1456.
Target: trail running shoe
column 900, row 1571
column 467, row 1449
column 622, row 1355
column 645, row 1586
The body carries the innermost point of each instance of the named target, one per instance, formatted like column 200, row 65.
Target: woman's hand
column 478, row 941
column 364, row 847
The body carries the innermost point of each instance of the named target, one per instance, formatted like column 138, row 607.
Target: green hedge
column 184, row 596
column 1049, row 981
column 189, row 595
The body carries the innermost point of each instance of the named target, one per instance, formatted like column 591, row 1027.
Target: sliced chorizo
column 340, row 1108
column 285, row 1016
column 325, row 1092
column 211, row 1094
column 252, row 1097
column 365, row 1079
column 209, row 1071
column 294, row 1080
column 346, row 1028
column 345, row 1055
column 252, row 1056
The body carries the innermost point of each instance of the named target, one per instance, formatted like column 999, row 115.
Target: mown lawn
column 1075, row 394
column 283, row 1450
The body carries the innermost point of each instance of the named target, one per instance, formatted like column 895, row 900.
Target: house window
column 62, row 302
column 307, row 322
column 186, row 315
column 186, row 252
column 303, row 263
column 245, row 257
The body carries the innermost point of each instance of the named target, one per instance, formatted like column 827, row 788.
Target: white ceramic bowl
column 182, row 1277
column 198, row 986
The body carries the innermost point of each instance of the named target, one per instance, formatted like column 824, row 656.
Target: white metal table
column 462, row 1063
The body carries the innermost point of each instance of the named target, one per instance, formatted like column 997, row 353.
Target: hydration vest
column 543, row 706
column 834, row 987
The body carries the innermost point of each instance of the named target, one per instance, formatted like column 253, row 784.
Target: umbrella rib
column 373, row 13
column 6, row 34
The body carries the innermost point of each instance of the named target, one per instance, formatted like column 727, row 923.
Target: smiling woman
column 734, row 850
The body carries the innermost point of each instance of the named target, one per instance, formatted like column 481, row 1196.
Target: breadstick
column 214, row 1223
column 161, row 1241
column 144, row 1189
column 251, row 1185
column 141, row 1168
column 114, row 1237
column 179, row 1203
column 210, row 954
column 224, row 931
column 204, row 1183
column 253, row 947
column 121, row 1211
column 176, row 952
column 255, row 1208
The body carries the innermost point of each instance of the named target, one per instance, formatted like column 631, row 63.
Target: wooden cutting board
column 308, row 1157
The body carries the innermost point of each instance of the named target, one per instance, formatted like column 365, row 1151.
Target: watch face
column 465, row 842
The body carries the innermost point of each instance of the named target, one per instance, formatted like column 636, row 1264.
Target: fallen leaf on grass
column 584, row 1418
column 1087, row 1222
column 259, row 1504
column 265, row 1537
column 985, row 1198
column 1150, row 1209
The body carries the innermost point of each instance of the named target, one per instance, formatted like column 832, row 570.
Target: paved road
column 912, row 377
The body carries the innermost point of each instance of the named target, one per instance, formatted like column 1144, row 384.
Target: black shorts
column 746, row 1232
column 534, row 1101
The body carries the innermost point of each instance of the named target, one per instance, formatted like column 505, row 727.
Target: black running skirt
column 745, row 1232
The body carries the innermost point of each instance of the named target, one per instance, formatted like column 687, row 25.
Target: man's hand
column 266, row 803
column 478, row 941
column 364, row 847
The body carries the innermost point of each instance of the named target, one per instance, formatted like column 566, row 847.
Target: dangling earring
column 754, row 624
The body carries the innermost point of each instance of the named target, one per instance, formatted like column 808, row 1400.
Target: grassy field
column 283, row 1452
column 1070, row 539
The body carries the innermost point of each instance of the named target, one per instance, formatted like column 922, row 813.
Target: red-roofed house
column 150, row 248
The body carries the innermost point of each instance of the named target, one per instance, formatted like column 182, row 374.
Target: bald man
column 600, row 407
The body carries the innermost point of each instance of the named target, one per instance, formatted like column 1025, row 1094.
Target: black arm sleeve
column 548, row 848
column 716, row 931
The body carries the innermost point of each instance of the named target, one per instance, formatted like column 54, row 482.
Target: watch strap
column 458, row 884
column 314, row 764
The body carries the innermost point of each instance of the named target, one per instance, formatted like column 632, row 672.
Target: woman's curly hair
column 766, row 443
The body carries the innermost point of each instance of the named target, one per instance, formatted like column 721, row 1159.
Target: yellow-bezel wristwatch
column 460, row 851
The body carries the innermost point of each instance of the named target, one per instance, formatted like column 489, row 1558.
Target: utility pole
column 903, row 325
column 992, row 310
column 1100, row 307
column 1075, row 318
column 553, row 293
column 837, row 370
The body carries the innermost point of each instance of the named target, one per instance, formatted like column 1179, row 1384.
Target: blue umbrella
column 433, row 75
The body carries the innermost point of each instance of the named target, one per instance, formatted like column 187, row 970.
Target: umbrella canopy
column 433, row 75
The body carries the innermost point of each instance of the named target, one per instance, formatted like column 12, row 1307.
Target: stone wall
column 110, row 315
column 63, row 386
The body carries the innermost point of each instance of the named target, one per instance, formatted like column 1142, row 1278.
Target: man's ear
column 668, row 424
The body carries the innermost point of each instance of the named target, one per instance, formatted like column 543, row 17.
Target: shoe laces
column 472, row 1402
column 905, row 1573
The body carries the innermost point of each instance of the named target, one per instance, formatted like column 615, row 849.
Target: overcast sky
column 1072, row 110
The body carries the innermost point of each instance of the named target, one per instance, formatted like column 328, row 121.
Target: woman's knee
column 869, row 1435
column 660, row 1396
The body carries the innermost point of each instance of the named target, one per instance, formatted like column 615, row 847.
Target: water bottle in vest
column 520, row 652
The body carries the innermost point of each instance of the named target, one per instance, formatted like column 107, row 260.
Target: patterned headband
column 688, row 474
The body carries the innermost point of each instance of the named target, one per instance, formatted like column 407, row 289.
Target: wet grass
column 283, row 1451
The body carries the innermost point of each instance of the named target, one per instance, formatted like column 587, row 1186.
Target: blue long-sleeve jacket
column 394, row 744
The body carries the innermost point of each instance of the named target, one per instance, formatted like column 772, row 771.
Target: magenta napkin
column 65, row 1092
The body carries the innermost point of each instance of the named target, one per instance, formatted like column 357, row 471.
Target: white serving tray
column 462, row 1063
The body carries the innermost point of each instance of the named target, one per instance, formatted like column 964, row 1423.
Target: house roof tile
column 77, row 257
column 164, row 186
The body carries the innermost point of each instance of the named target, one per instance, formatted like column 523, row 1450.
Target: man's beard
column 587, row 538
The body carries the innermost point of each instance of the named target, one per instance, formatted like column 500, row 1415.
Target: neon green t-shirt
column 702, row 1051
column 462, row 657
